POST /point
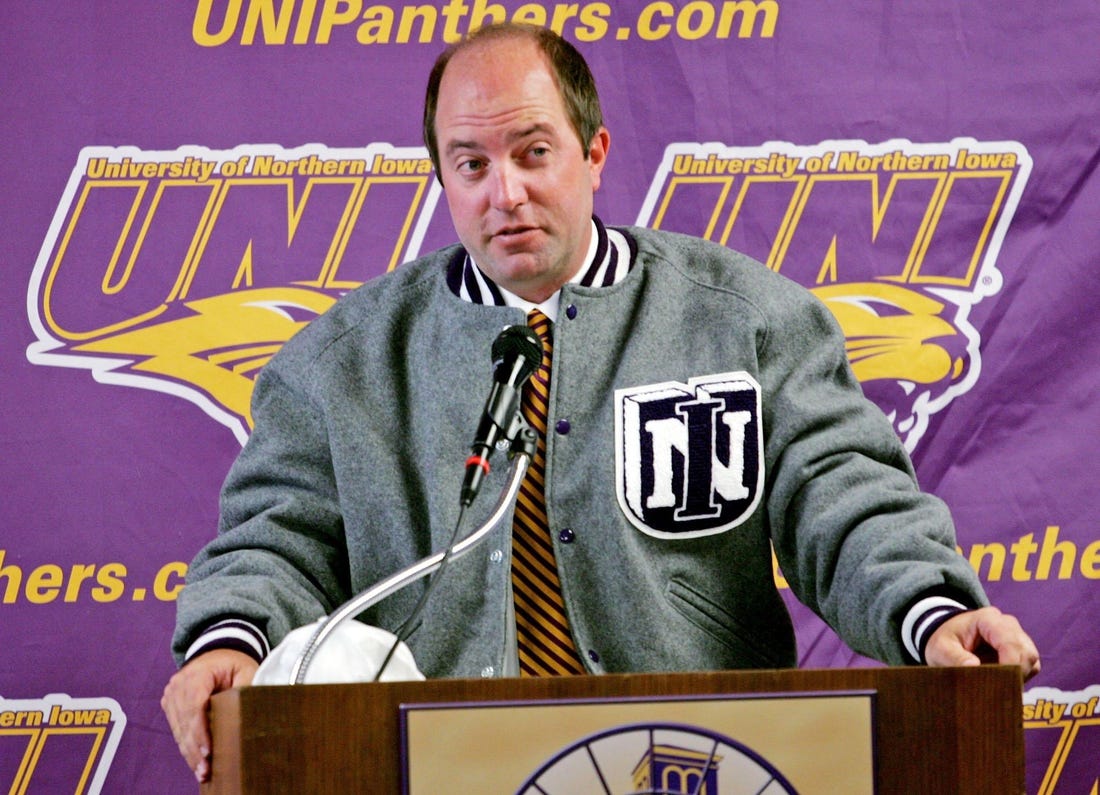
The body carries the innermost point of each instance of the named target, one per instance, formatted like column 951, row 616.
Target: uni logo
column 899, row 240
column 161, row 270
column 57, row 743
column 185, row 271
column 689, row 457
column 1065, row 727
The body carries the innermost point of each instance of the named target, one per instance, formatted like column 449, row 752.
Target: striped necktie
column 545, row 644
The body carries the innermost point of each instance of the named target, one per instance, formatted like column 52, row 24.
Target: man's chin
column 527, row 276
column 519, row 261
column 514, row 267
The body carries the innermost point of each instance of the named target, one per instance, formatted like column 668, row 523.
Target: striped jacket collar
column 612, row 259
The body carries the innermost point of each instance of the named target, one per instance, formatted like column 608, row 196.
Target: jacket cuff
column 924, row 616
column 231, row 633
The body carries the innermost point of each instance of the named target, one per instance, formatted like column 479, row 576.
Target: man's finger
column 986, row 635
column 184, row 704
column 187, row 695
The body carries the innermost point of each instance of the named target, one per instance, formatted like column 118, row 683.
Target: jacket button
column 593, row 655
column 488, row 672
column 571, row 311
column 566, row 536
column 562, row 427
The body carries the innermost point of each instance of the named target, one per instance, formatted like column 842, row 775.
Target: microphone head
column 516, row 347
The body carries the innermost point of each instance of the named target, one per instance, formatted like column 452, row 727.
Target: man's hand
column 187, row 695
column 985, row 635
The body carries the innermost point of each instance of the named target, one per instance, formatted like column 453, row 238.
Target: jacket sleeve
column 856, row 539
column 279, row 559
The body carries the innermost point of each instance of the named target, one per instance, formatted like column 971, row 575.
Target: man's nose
column 508, row 188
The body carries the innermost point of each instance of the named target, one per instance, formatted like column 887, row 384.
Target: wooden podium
column 935, row 731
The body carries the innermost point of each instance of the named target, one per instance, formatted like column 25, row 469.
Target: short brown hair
column 575, row 83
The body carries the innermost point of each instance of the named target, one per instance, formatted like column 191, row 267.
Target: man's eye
column 470, row 166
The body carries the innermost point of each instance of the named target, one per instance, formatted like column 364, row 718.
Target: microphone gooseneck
column 524, row 448
column 517, row 354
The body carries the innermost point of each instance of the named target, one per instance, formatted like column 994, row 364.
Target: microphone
column 517, row 353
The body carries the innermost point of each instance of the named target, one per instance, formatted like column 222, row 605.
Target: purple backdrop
column 187, row 183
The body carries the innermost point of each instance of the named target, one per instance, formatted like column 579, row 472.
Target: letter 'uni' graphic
column 689, row 457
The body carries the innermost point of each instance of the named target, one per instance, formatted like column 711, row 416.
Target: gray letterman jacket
column 364, row 419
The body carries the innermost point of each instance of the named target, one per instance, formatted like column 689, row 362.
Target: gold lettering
column 996, row 554
column 200, row 28
column 44, row 584
column 1022, row 550
column 1051, row 547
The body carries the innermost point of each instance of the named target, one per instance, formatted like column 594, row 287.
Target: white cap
column 351, row 653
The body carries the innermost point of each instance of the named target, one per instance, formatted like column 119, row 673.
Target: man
column 354, row 468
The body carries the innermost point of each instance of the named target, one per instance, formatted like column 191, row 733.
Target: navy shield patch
column 689, row 457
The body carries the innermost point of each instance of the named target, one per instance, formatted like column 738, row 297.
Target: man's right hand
column 187, row 695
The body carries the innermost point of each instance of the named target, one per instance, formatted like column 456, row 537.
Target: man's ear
column 597, row 154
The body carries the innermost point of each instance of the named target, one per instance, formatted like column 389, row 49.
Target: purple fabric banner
column 189, row 183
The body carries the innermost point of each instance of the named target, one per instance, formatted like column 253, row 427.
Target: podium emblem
column 672, row 759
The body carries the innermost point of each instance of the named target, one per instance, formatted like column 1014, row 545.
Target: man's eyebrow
column 454, row 146
column 519, row 135
column 534, row 129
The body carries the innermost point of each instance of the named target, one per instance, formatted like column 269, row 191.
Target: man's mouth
column 515, row 235
column 513, row 231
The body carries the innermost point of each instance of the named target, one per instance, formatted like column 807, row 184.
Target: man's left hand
column 982, row 636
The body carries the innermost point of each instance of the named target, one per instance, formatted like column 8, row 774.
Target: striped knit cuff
column 232, row 633
column 923, row 619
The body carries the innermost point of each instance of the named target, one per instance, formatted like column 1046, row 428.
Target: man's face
column 517, row 183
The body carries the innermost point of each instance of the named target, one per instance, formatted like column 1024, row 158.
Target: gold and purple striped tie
column 545, row 644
